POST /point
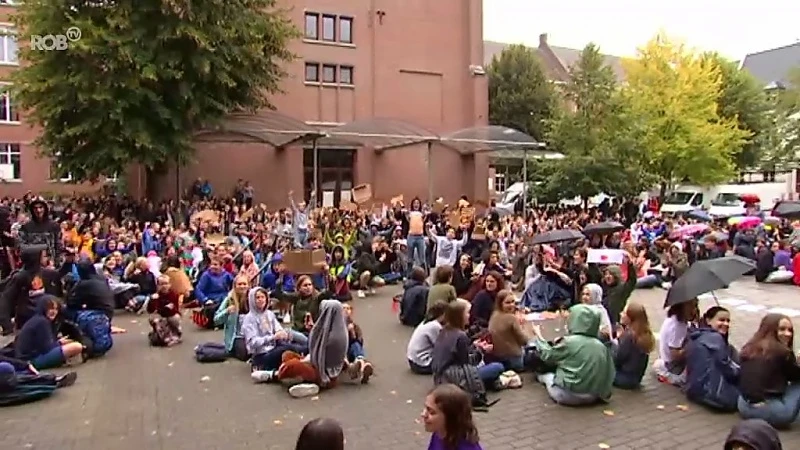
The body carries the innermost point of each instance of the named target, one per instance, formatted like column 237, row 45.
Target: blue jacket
column 36, row 337
column 711, row 374
column 213, row 286
column 270, row 280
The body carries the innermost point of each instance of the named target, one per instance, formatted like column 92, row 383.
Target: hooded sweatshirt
column 36, row 337
column 584, row 364
column 712, row 376
column 615, row 296
column 213, row 286
column 31, row 280
column 259, row 326
column 91, row 291
column 755, row 433
column 41, row 230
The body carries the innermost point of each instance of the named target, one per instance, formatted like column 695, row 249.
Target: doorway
column 335, row 171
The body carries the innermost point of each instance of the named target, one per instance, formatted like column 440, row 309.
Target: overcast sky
column 733, row 28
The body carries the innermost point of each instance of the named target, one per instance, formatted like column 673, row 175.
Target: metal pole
column 524, row 180
column 315, row 150
column 429, row 163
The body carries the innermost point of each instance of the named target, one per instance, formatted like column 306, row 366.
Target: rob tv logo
column 60, row 42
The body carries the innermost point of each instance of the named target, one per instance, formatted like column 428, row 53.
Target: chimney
column 543, row 40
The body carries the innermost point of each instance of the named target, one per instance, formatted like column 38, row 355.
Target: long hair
column 239, row 301
column 456, row 406
column 303, row 278
column 454, row 314
column 640, row 327
column 321, row 434
column 765, row 340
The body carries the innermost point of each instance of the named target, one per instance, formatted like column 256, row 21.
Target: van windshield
column 727, row 199
column 509, row 197
column 678, row 198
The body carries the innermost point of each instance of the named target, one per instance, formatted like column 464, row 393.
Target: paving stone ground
column 139, row 397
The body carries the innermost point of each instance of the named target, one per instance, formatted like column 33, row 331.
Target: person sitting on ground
column 16, row 301
column 264, row 336
column 712, row 372
column 442, row 288
column 617, row 290
column 753, row 434
column 508, row 335
column 305, row 303
column 340, row 274
column 230, row 314
column 670, row 367
column 327, row 357
column 769, row 375
column 21, row 383
column 584, row 365
column 367, row 265
column 463, row 276
column 420, row 346
column 138, row 273
column 37, row 341
column 484, row 301
column 592, row 296
column 90, row 304
column 632, row 347
column 415, row 298
column 178, row 279
column 355, row 343
column 213, row 285
column 165, row 309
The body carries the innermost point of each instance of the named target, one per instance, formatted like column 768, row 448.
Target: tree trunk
column 662, row 192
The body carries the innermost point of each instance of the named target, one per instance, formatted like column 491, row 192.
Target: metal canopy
column 270, row 127
column 494, row 138
column 383, row 134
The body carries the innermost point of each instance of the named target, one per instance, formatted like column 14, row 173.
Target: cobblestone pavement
column 145, row 398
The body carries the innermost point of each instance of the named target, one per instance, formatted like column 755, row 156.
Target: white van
column 727, row 202
column 683, row 200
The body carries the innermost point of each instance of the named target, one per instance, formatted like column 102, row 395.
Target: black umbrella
column 557, row 236
column 606, row 227
column 706, row 276
column 787, row 209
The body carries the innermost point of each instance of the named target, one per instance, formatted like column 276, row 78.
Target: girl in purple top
column 448, row 417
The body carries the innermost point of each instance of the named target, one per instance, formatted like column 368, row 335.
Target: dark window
column 329, row 28
column 346, row 30
column 312, row 26
column 312, row 72
column 328, row 74
column 346, row 74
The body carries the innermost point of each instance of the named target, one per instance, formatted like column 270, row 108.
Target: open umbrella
column 699, row 214
column 688, row 230
column 606, row 227
column 550, row 237
column 788, row 209
column 707, row 276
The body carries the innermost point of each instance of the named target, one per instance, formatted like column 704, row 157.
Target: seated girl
column 264, row 336
column 632, row 347
column 592, row 296
column 463, row 276
column 138, row 273
column 712, row 374
column 414, row 299
column 37, row 342
column 327, row 358
column 454, row 357
column 230, row 314
column 420, row 346
column 339, row 275
column 484, row 301
column 305, row 304
column 355, row 343
column 584, row 365
column 670, row 367
column 508, row 336
column 769, row 377
column 22, row 383
column 165, row 307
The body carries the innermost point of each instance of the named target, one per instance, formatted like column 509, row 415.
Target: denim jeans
column 416, row 258
column 298, row 338
column 420, row 370
column 563, row 396
column 271, row 359
column 488, row 373
column 300, row 237
column 647, row 282
column 354, row 351
column 516, row 363
column 778, row 412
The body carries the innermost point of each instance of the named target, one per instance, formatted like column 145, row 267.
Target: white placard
column 346, row 197
column 327, row 199
column 605, row 256
column 7, row 172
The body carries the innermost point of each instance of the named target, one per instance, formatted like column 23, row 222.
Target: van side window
column 697, row 200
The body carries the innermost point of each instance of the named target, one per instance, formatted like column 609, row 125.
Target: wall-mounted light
column 477, row 70
column 380, row 13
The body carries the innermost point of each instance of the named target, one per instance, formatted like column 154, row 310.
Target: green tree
column 144, row 76
column 673, row 95
column 785, row 149
column 742, row 98
column 593, row 133
column 520, row 96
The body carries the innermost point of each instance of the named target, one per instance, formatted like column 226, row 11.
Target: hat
column 277, row 257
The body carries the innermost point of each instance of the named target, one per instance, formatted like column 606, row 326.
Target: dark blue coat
column 711, row 373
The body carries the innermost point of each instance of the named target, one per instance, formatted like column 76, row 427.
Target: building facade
column 360, row 63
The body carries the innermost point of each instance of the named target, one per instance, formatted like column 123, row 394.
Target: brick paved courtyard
column 143, row 398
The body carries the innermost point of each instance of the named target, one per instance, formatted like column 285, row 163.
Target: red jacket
column 796, row 269
column 161, row 304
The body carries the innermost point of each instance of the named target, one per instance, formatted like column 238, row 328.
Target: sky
column 732, row 28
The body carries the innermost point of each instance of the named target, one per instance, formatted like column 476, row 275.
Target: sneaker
column 303, row 390
column 372, row 292
column 68, row 379
column 361, row 294
column 355, row 368
column 366, row 371
column 262, row 376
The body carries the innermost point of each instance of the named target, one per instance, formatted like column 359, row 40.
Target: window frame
column 8, row 33
column 316, row 17
column 342, row 69
column 54, row 162
column 335, row 71
column 333, row 18
column 316, row 66
column 9, row 150
column 7, row 106
column 349, row 21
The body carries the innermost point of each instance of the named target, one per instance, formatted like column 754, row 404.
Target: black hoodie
column 30, row 280
column 91, row 291
column 756, row 434
column 41, row 230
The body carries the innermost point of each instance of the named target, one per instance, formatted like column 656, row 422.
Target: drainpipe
column 524, row 181
column 429, row 163
column 315, row 151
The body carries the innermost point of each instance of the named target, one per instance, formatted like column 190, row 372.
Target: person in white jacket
column 447, row 247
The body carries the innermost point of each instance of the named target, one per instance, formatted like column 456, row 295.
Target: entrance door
column 335, row 173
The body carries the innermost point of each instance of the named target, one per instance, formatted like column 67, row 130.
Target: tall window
column 346, row 75
column 312, row 72
column 312, row 26
column 328, row 73
column 8, row 112
column 328, row 28
column 8, row 46
column 346, row 30
column 10, row 162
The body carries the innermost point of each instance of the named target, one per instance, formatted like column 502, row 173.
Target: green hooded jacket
column 584, row 364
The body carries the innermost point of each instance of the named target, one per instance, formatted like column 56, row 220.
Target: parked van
column 683, row 200
column 728, row 203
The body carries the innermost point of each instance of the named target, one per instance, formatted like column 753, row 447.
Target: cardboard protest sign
column 479, row 233
column 439, row 206
column 347, row 205
column 397, row 200
column 304, row 261
column 362, row 193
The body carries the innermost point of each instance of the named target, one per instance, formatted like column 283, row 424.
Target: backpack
column 96, row 326
column 210, row 352
column 466, row 377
